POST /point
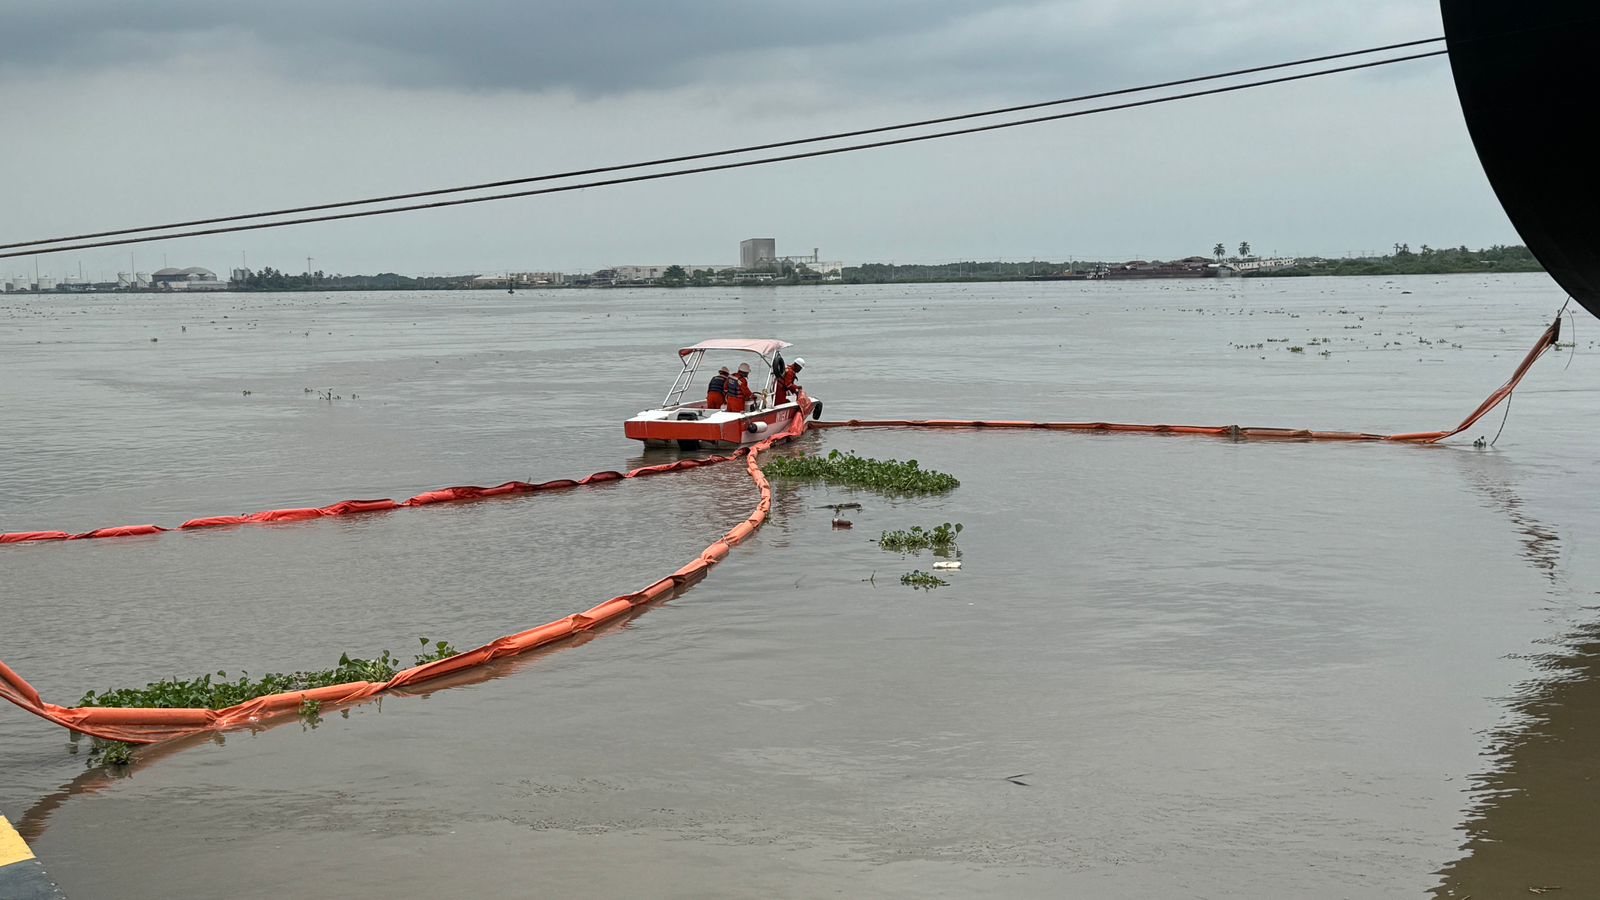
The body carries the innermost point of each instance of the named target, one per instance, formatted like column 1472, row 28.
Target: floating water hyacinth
column 216, row 692
column 890, row 476
column 922, row 581
column 940, row 539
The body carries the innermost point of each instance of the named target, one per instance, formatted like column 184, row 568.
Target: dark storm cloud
column 885, row 47
column 610, row 45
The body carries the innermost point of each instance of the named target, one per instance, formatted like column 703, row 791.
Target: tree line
column 1425, row 260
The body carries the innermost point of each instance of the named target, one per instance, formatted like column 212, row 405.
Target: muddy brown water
column 1217, row 669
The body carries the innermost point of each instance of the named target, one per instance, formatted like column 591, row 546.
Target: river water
column 1169, row 667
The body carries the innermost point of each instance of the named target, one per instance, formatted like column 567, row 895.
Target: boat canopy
column 763, row 346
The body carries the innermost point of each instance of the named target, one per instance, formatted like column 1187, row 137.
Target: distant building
column 540, row 278
column 756, row 253
column 193, row 278
column 644, row 274
column 129, row 280
column 1262, row 265
column 637, row 273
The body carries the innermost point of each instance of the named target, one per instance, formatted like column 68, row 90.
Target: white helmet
column 799, row 362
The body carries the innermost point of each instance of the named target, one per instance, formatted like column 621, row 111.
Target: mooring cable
column 752, row 148
column 1503, row 420
column 1572, row 339
column 655, row 176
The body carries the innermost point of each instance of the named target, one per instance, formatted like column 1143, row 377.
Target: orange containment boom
column 351, row 507
column 147, row 725
column 1546, row 340
column 142, row 725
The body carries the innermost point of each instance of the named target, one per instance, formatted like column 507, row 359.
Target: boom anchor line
column 149, row 725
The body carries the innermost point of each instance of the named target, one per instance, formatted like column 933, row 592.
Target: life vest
column 738, row 391
column 716, row 391
column 786, row 383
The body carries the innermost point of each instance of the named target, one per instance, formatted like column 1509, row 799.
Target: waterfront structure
column 193, row 278
column 1266, row 265
column 757, row 253
column 540, row 278
column 644, row 274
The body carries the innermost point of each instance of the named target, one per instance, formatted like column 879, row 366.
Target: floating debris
column 922, row 580
column 941, row 539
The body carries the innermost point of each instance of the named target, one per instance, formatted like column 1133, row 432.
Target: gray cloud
column 609, row 45
column 895, row 47
column 303, row 102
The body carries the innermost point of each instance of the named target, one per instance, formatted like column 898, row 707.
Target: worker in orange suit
column 717, row 390
column 738, row 389
column 788, row 382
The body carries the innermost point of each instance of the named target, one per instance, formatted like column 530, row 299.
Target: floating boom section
column 145, row 725
column 1527, row 80
column 151, row 725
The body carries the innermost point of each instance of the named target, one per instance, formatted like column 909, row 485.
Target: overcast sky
column 116, row 113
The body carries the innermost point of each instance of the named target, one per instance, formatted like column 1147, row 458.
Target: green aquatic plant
column 310, row 709
column 217, row 692
column 940, row 539
column 109, row 753
column 890, row 476
column 922, row 581
column 441, row 650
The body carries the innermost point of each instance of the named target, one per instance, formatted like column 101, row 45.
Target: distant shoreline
column 1429, row 261
column 1293, row 273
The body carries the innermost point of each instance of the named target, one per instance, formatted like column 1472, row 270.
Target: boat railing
column 691, row 362
column 684, row 379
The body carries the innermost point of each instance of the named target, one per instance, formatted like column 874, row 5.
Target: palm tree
column 1244, row 249
column 1218, row 251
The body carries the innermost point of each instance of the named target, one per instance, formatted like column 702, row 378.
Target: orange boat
column 689, row 425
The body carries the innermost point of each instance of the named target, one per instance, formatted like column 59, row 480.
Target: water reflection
column 1538, row 811
column 1533, row 825
column 1490, row 474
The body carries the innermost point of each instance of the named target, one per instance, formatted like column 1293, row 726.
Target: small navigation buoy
column 841, row 522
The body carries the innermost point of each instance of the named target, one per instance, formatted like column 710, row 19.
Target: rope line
column 1503, row 419
column 751, row 148
column 696, row 170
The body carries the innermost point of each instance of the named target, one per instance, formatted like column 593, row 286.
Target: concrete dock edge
column 22, row 876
